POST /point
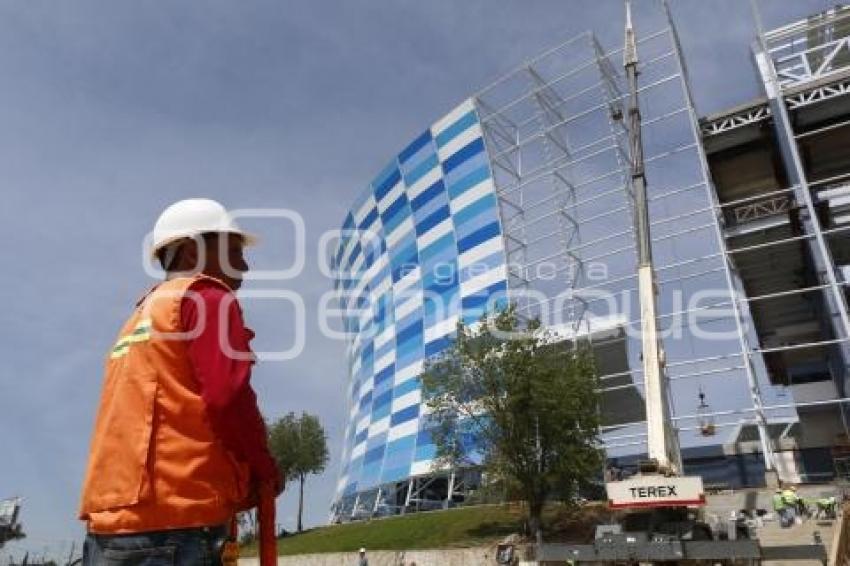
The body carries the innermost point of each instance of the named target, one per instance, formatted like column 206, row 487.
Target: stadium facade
column 521, row 193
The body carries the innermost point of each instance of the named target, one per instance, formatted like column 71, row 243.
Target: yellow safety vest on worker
column 790, row 497
column 778, row 501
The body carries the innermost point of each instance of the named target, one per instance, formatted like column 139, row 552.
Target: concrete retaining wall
column 480, row 556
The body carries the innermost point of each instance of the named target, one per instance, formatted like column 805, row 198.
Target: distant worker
column 826, row 507
column 613, row 472
column 781, row 509
column 801, row 508
column 789, row 494
column 363, row 561
column 179, row 445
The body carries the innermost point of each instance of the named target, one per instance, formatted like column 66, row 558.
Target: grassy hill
column 462, row 527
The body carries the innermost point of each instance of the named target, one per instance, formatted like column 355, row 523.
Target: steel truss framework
column 774, row 206
column 739, row 119
column 440, row 490
column 810, row 63
column 757, row 114
column 809, row 50
column 587, row 174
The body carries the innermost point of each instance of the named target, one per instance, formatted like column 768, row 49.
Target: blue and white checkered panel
column 422, row 248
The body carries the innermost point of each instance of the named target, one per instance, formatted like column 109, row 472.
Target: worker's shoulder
column 208, row 286
column 214, row 295
column 187, row 283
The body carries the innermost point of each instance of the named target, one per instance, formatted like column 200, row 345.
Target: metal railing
column 811, row 49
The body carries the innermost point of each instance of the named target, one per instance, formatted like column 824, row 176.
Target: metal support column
column 377, row 500
column 409, row 494
column 354, row 506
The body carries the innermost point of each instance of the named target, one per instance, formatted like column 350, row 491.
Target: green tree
column 300, row 446
column 520, row 402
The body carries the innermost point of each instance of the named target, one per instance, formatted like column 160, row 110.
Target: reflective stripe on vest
column 140, row 333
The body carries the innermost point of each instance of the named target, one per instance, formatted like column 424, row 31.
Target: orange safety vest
column 155, row 462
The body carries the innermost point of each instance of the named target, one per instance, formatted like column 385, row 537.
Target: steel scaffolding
column 557, row 140
column 558, row 144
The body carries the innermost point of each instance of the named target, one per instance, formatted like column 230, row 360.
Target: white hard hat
column 192, row 217
column 362, row 550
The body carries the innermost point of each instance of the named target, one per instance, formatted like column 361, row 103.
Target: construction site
column 723, row 358
column 703, row 259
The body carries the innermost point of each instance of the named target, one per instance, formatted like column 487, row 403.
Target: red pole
column 268, row 540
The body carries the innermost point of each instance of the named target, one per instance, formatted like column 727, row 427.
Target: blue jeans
column 786, row 517
column 179, row 547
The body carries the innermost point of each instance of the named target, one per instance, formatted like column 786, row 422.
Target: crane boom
column 659, row 483
column 663, row 446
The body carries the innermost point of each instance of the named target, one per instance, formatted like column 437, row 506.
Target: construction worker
column 363, row 561
column 789, row 495
column 801, row 507
column 781, row 509
column 179, row 445
column 826, row 507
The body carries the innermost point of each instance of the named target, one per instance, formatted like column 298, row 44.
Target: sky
column 111, row 111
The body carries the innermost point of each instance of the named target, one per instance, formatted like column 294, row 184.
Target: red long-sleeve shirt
column 225, row 381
